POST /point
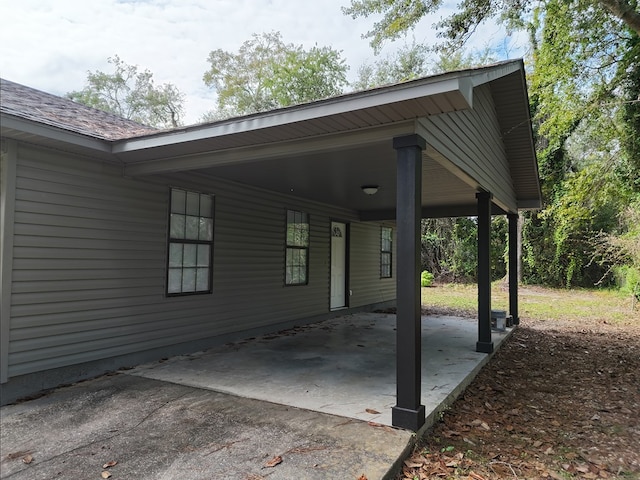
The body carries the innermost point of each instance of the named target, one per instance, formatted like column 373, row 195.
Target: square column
column 408, row 412
column 484, row 345
column 513, row 267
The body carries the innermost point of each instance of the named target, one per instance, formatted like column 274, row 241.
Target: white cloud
column 50, row 45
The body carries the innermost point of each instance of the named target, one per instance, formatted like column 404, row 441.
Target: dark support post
column 484, row 345
column 513, row 267
column 408, row 412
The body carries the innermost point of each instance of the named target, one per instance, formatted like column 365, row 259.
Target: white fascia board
column 486, row 75
column 460, row 86
column 54, row 133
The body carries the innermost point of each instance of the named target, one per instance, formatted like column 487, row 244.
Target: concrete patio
column 345, row 366
column 227, row 412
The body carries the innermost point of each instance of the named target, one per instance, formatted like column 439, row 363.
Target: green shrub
column 426, row 279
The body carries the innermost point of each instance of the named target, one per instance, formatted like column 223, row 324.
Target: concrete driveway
column 305, row 395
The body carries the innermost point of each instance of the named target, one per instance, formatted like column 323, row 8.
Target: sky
column 50, row 45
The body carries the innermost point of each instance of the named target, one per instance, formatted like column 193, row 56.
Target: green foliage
column 409, row 62
column 558, row 243
column 266, row 74
column 414, row 61
column 401, row 16
column 584, row 89
column 426, row 278
column 131, row 93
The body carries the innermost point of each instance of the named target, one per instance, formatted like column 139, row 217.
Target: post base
column 408, row 418
column 484, row 347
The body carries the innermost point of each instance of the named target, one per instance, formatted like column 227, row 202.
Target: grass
column 539, row 303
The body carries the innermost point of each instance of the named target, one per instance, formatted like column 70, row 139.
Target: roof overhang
column 326, row 150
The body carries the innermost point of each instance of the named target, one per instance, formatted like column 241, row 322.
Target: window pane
column 177, row 226
column 203, row 255
column 385, row 265
column 202, row 279
column 304, row 235
column 206, row 204
column 206, row 229
column 175, row 255
column 175, row 280
column 386, row 236
column 193, row 204
column 190, row 255
column 296, row 266
column 189, row 280
column 178, row 201
column 192, row 228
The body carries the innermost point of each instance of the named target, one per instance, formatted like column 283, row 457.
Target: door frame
column 347, row 242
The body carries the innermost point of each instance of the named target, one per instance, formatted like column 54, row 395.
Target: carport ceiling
column 336, row 177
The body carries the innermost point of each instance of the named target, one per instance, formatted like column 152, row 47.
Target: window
column 297, row 255
column 190, row 243
column 386, row 242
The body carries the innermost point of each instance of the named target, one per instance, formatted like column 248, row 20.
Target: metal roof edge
column 34, row 127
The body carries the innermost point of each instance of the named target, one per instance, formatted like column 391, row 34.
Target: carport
column 344, row 366
column 456, row 144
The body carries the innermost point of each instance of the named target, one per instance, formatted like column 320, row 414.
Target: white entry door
column 338, row 265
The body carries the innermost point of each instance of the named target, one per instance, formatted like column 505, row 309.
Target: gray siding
column 90, row 253
column 480, row 153
column 365, row 283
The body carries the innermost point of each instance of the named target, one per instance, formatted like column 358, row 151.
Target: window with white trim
column 386, row 256
column 189, row 264
column 297, row 250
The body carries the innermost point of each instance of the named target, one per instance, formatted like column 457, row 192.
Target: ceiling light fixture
column 370, row 189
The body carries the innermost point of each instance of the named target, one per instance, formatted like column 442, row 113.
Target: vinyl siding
column 365, row 283
column 90, row 256
column 480, row 153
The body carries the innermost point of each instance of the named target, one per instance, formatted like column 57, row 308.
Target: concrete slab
column 305, row 394
column 164, row 431
column 344, row 366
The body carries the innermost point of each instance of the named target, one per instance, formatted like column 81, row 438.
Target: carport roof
column 322, row 150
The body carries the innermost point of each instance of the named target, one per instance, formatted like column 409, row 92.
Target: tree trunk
column 625, row 12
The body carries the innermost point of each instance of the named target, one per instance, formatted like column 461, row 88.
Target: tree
column 584, row 84
column 414, row 61
column 266, row 73
column 132, row 94
column 400, row 16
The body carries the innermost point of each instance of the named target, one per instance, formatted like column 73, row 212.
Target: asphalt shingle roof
column 31, row 104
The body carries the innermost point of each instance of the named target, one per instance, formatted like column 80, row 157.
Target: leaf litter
column 557, row 401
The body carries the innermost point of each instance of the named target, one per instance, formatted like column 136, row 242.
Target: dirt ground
column 559, row 400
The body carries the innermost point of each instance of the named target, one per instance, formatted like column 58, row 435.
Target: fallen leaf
column 27, row 459
column 372, row 411
column 110, row 464
column 475, row 476
column 537, row 444
column 549, row 451
column 485, row 426
column 106, row 474
column 274, row 461
column 412, row 463
column 21, row 453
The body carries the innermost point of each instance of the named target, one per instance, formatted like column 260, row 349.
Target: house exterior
column 122, row 244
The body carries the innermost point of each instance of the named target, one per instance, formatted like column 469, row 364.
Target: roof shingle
column 31, row 104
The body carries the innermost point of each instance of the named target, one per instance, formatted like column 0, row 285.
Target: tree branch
column 624, row 11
